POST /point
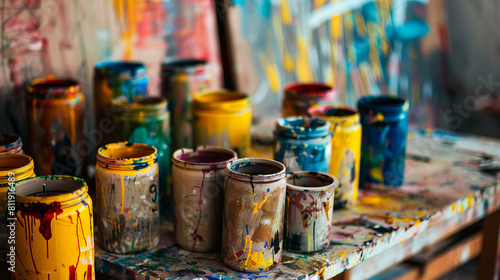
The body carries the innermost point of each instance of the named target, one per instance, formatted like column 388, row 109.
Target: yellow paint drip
column 304, row 71
column 286, row 16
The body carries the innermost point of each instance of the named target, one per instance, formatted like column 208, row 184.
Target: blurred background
column 440, row 55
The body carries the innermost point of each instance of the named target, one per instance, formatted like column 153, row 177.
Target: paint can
column 254, row 204
column 181, row 81
column 309, row 210
column 299, row 97
column 54, row 229
column 146, row 120
column 223, row 119
column 198, row 185
column 114, row 79
column 346, row 151
column 10, row 144
column 55, row 122
column 13, row 168
column 127, row 197
column 303, row 144
column 385, row 127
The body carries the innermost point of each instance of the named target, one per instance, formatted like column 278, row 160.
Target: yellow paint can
column 54, row 229
column 346, row 151
column 223, row 119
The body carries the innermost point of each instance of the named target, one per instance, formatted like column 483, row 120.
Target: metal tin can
column 181, row 81
column 54, row 229
column 252, row 223
column 223, row 119
column 385, row 126
column 10, row 144
column 299, row 97
column 114, row 79
column 346, row 151
column 309, row 210
column 13, row 168
column 55, row 124
column 146, row 121
column 303, row 144
column 198, row 183
column 127, row 197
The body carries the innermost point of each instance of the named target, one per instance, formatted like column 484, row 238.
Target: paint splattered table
column 447, row 185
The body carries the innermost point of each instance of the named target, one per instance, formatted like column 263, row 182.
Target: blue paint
column 246, row 226
column 303, row 144
column 265, row 244
column 124, row 78
column 385, row 127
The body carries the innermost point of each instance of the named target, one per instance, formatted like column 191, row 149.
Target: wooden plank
column 488, row 261
column 454, row 257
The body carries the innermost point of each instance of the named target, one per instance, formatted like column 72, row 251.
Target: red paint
column 196, row 235
column 44, row 213
column 89, row 272
column 72, row 273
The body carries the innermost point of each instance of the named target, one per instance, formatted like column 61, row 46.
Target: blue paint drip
column 246, row 228
column 265, row 245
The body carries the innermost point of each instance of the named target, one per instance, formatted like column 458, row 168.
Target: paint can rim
column 259, row 178
column 21, row 171
column 332, row 183
column 10, row 142
column 230, row 156
column 120, row 161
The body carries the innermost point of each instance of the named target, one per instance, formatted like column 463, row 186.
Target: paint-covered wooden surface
column 442, row 181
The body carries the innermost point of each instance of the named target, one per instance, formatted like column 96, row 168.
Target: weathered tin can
column 13, row 168
column 223, row 119
column 299, row 97
column 254, row 204
column 55, row 123
column 54, row 229
column 385, row 127
column 198, row 184
column 114, row 79
column 303, row 144
column 146, row 120
column 181, row 81
column 346, row 151
column 10, row 144
column 127, row 197
column 309, row 210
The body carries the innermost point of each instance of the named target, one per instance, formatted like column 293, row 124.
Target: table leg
column 488, row 260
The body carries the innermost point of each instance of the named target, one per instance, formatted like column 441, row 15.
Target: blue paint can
column 385, row 125
column 303, row 144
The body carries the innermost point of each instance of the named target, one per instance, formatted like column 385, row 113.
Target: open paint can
column 10, row 144
column 198, row 186
column 54, row 229
column 385, row 127
column 254, row 204
column 127, row 197
column 299, row 97
column 309, row 210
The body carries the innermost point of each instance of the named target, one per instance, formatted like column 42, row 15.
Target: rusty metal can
column 181, row 81
column 55, row 123
column 223, row 119
column 13, row 168
column 299, row 97
column 54, row 229
column 127, row 197
column 254, row 204
column 309, row 210
column 10, row 144
column 346, row 151
column 198, row 185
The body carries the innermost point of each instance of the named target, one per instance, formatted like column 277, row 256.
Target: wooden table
column 444, row 191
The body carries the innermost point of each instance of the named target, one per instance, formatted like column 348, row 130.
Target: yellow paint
column 123, row 193
column 371, row 200
column 255, row 209
column 309, row 241
column 71, row 243
column 390, row 219
column 286, row 16
column 461, row 208
column 469, row 201
column 326, row 207
column 223, row 116
column 453, row 207
column 271, row 72
column 248, row 241
column 303, row 69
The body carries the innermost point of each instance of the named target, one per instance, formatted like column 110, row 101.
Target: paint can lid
column 311, row 181
column 221, row 102
column 382, row 108
column 302, row 128
column 18, row 164
column 183, row 65
column 10, row 143
column 304, row 91
column 343, row 116
column 203, row 157
column 52, row 89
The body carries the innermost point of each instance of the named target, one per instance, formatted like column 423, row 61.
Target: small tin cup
column 303, row 144
column 10, row 144
column 309, row 210
column 299, row 97
column 254, row 204
column 385, row 127
column 198, row 187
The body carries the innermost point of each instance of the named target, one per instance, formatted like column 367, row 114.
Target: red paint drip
column 44, row 213
column 196, row 235
column 72, row 273
column 89, row 272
